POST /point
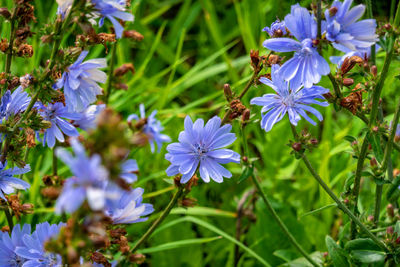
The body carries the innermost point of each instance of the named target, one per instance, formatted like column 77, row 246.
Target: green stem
column 111, row 72
column 160, row 219
column 389, row 143
column 337, row 200
column 9, row 218
column 335, row 86
column 55, row 167
column 370, row 16
column 281, row 224
column 319, row 21
column 10, row 49
column 378, row 201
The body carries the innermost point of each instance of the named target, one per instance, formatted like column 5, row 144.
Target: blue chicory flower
column 64, row 7
column 80, row 82
column 202, row 147
column 295, row 102
column 13, row 103
column 55, row 113
column 275, row 27
column 89, row 117
column 8, row 244
column 9, row 183
column 113, row 10
column 129, row 168
column 345, row 31
column 129, row 208
column 33, row 246
column 89, row 181
column 152, row 128
column 306, row 66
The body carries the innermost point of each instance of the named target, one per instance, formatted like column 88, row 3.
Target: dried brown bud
column 124, row 69
column 332, row 11
column 374, row 70
column 117, row 233
column 328, row 96
column 124, row 244
column 137, row 258
column 245, row 159
column 4, row 45
column 348, row 81
column 72, row 255
column 296, row 146
column 274, row 59
column 100, row 258
column 188, row 202
column 314, row 141
column 255, row 59
column 315, row 42
column 228, row 92
column 5, row 228
column 51, row 192
column 5, row 13
column 25, row 50
column 349, row 63
column 387, row 26
column 192, row 182
column 390, row 230
column 246, row 116
column 237, row 108
column 27, row 208
column 30, row 137
column 137, row 36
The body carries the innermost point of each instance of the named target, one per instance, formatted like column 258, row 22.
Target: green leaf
column 375, row 142
column 362, row 244
column 350, row 138
column 247, row 172
column 317, row 210
column 178, row 244
column 285, row 254
column 369, row 256
column 338, row 254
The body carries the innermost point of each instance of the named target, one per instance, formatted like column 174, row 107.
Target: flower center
column 200, row 150
column 306, row 47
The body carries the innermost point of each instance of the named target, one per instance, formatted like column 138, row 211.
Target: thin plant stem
column 319, row 21
column 337, row 200
column 275, row 215
column 55, row 166
column 281, row 224
column 160, row 219
column 370, row 15
column 9, row 218
column 9, row 56
column 392, row 134
column 111, row 72
column 378, row 201
column 335, row 86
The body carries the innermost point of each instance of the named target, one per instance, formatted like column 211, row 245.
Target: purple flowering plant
column 322, row 87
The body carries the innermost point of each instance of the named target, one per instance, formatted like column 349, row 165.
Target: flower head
column 287, row 100
column 80, row 82
column 64, row 7
column 277, row 29
column 8, row 183
column 89, row 181
column 202, row 146
column 55, row 113
column 345, row 31
column 13, row 103
column 113, row 10
column 8, row 244
column 89, row 117
column 152, row 128
column 129, row 208
column 33, row 249
column 128, row 171
column 307, row 65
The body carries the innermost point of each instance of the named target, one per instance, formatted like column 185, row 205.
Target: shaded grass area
column 190, row 50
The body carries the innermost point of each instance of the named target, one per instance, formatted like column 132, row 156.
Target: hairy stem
column 389, row 143
column 160, row 219
column 368, row 3
column 111, row 72
column 336, row 199
column 335, row 85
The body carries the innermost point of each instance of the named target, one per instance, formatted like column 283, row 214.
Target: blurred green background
column 190, row 50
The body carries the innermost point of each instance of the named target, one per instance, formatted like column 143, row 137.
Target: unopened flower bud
column 188, row 202
column 125, row 68
column 348, row 81
column 396, row 172
column 370, row 218
column 72, row 255
column 346, row 201
column 332, row 11
column 374, row 70
column 137, row 36
column 296, row 146
column 373, row 162
column 255, row 59
column 137, row 258
column 274, row 59
column 314, row 141
column 5, row 13
column 245, row 159
column 390, row 210
column 27, row 208
column 375, row 129
column 387, row 26
column 390, row 230
column 315, row 42
column 245, row 116
column 228, row 92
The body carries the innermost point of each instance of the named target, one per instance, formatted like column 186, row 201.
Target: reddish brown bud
column 315, row 42
column 228, row 92
column 137, row 258
column 278, row 33
column 125, row 68
column 314, row 141
column 396, row 172
column 51, row 192
column 373, row 162
column 387, row 26
column 5, row 228
column 255, row 59
column 245, row 159
column 133, row 35
column 325, row 254
column 346, row 201
column 246, row 116
column 274, row 59
column 374, row 70
column 332, row 11
column 375, row 129
column 390, row 210
column 296, row 146
column 188, row 202
column 370, row 218
column 349, row 63
column 5, row 13
column 390, row 230
column 348, row 81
